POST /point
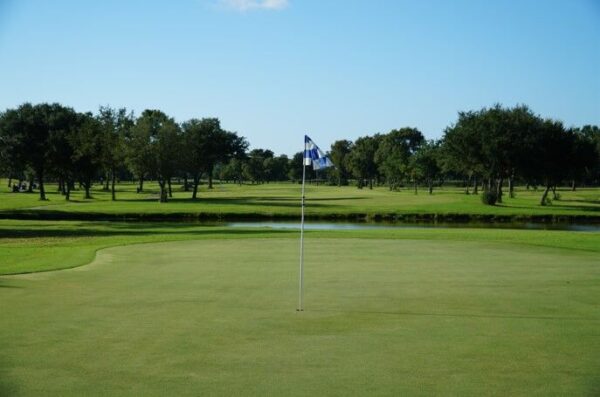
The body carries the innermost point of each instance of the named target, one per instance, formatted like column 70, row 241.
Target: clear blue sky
column 273, row 70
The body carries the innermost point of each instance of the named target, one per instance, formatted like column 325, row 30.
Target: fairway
column 281, row 200
column 383, row 317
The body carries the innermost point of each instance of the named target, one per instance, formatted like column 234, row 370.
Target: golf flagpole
column 301, row 284
column 314, row 157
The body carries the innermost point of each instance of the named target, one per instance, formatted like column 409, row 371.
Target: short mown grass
column 415, row 313
column 176, row 308
column 282, row 200
column 33, row 246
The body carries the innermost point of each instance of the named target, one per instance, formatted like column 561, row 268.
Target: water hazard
column 577, row 227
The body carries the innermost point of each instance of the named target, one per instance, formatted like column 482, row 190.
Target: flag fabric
column 315, row 156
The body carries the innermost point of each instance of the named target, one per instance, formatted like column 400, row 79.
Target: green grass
column 408, row 312
column 34, row 246
column 282, row 200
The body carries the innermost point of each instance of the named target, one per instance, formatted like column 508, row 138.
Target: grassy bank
column 281, row 201
column 33, row 246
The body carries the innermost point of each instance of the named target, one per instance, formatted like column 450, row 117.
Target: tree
column 254, row 167
column 362, row 159
column 12, row 151
column 35, row 128
column 233, row 171
column 61, row 150
column 586, row 159
column 87, row 145
column 116, row 126
column 494, row 143
column 425, row 164
column 340, row 153
column 165, row 145
column 394, row 151
column 461, row 150
column 551, row 155
column 197, row 135
column 139, row 144
column 32, row 129
column 277, row 168
column 295, row 167
column 507, row 134
column 206, row 145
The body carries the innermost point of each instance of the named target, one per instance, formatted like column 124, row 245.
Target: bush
column 489, row 197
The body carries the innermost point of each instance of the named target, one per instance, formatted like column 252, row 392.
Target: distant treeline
column 490, row 149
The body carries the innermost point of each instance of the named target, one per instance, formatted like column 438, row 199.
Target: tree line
column 487, row 150
column 53, row 142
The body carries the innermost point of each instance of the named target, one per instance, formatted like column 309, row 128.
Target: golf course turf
column 96, row 307
column 386, row 314
column 281, row 201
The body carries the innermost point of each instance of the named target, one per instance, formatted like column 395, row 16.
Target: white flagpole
column 301, row 284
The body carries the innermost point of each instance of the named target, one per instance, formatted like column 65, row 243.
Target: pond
column 577, row 227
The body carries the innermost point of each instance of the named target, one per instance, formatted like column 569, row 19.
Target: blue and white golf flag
column 315, row 156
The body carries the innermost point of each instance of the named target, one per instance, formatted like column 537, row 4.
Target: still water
column 578, row 227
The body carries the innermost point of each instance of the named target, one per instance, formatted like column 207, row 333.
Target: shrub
column 489, row 197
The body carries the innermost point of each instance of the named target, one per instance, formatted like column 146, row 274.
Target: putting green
column 383, row 317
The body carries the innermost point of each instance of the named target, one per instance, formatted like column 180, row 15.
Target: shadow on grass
column 593, row 202
column 7, row 388
column 140, row 230
column 565, row 206
column 248, row 201
column 556, row 204
column 202, row 198
column 458, row 315
column 4, row 283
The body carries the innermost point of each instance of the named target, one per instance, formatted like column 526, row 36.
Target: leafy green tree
column 206, row 145
column 591, row 133
column 551, row 155
column 339, row 155
column 276, row 168
column 139, row 155
column 362, row 159
column 254, row 167
column 507, row 134
column 425, row 164
column 116, row 126
column 394, row 152
column 295, row 167
column 33, row 129
column 461, row 151
column 156, row 144
column 166, row 146
column 582, row 159
column 64, row 123
column 233, row 171
column 12, row 151
column 87, row 145
column 197, row 135
column 61, row 151
column 494, row 143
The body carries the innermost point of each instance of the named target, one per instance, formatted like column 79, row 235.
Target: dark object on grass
column 489, row 197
